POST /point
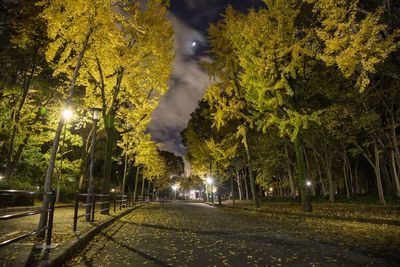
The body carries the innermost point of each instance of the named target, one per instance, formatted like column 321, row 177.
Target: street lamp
column 174, row 187
column 95, row 117
column 67, row 114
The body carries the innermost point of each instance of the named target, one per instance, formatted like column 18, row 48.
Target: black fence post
column 51, row 217
column 115, row 202
column 93, row 206
column 76, row 211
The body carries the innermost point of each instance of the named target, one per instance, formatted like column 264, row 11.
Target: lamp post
column 95, row 117
column 174, row 187
column 308, row 197
column 67, row 115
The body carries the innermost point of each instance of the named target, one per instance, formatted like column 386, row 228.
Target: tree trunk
column 308, row 173
column 239, row 184
column 142, row 191
column 109, row 126
column 378, row 174
column 321, row 181
column 332, row 190
column 346, row 185
column 396, row 152
column 394, row 171
column 252, row 182
column 356, row 181
column 350, row 175
column 232, row 189
column 136, row 183
column 245, row 187
column 305, row 198
column 125, row 173
column 219, row 187
column 290, row 175
column 49, row 173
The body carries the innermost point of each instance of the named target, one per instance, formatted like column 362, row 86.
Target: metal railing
column 49, row 210
column 104, row 205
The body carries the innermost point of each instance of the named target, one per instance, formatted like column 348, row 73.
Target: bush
column 67, row 194
column 16, row 200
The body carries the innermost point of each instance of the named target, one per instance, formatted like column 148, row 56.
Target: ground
column 19, row 253
column 197, row 234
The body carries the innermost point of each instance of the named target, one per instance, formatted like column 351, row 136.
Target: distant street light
column 174, row 187
column 308, row 183
column 95, row 117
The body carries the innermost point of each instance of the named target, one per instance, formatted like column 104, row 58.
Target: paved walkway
column 194, row 234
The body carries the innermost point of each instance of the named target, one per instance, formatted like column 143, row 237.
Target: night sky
column 188, row 83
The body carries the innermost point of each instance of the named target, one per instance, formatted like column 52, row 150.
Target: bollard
column 51, row 216
column 115, row 202
column 93, row 206
column 76, row 211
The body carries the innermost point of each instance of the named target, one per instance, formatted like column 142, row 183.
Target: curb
column 68, row 250
column 320, row 216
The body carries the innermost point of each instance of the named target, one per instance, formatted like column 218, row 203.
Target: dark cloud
column 199, row 13
column 187, row 87
column 190, row 19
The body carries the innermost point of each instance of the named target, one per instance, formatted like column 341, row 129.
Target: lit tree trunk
column 136, row 183
column 232, row 189
column 84, row 163
column 111, row 138
column 54, row 148
column 239, row 183
column 305, row 200
column 219, row 187
column 142, row 189
column 252, row 182
column 109, row 126
column 125, row 173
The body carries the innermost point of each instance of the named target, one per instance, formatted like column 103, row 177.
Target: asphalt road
column 196, row 234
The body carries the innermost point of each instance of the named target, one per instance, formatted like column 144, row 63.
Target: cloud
column 187, row 86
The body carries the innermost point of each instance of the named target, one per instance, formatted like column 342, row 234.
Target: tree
column 174, row 164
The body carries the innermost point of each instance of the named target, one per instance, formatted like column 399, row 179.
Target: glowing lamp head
column 308, row 183
column 96, row 113
column 194, row 44
column 67, row 114
column 209, row 180
column 174, row 187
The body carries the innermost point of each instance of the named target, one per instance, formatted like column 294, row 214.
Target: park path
column 196, row 234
